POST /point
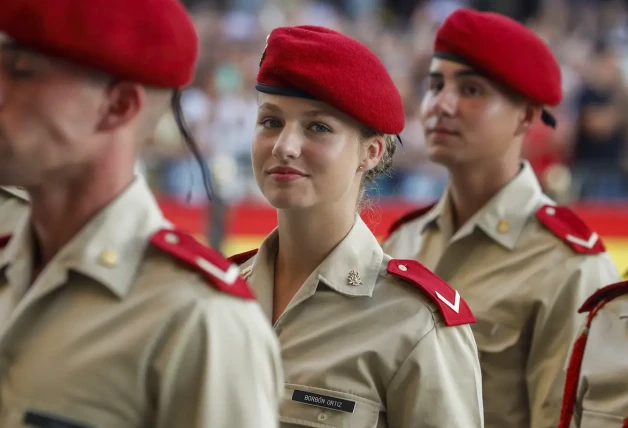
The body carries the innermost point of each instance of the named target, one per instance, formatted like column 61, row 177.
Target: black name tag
column 37, row 419
column 323, row 401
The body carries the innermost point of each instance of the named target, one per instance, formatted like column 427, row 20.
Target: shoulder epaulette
column 242, row 258
column 219, row 272
column 566, row 225
column 604, row 295
column 409, row 217
column 454, row 310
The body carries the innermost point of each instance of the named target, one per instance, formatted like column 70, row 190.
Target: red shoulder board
column 243, row 257
column 4, row 240
column 408, row 217
column 604, row 294
column 220, row 272
column 566, row 225
column 454, row 310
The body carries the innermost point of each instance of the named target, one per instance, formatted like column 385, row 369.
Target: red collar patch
column 218, row 271
column 4, row 240
column 409, row 217
column 242, row 258
column 604, row 294
column 566, row 225
column 454, row 310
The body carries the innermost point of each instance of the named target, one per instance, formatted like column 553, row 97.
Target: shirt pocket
column 306, row 406
column 601, row 420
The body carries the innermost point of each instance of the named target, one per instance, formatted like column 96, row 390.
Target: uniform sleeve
column 220, row 368
column 556, row 325
column 439, row 384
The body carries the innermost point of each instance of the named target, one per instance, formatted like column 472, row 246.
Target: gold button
column 108, row 258
column 503, row 226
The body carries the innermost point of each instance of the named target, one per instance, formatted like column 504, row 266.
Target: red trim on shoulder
column 242, row 258
column 4, row 240
column 409, row 217
column 218, row 271
column 604, row 294
column 566, row 225
column 453, row 308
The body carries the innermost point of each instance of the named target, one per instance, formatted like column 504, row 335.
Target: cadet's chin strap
column 573, row 371
column 189, row 141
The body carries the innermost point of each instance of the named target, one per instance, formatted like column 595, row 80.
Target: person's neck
column 306, row 238
column 61, row 208
column 473, row 186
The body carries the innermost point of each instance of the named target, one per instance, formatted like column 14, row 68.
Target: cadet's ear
column 374, row 149
column 528, row 114
column 124, row 104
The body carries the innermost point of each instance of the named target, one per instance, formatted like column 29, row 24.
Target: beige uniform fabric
column 115, row 333
column 602, row 400
column 13, row 206
column 524, row 285
column 380, row 344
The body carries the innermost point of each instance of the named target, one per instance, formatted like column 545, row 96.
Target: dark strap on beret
column 280, row 90
column 548, row 118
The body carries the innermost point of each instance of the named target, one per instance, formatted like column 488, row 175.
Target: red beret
column 504, row 50
column 322, row 64
column 149, row 41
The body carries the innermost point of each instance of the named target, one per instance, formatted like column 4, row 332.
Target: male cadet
column 13, row 206
column 596, row 389
column 110, row 318
column 523, row 264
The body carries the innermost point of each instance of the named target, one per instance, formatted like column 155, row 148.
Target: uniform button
column 108, row 258
column 503, row 226
column 550, row 211
column 402, row 268
column 322, row 417
column 171, row 238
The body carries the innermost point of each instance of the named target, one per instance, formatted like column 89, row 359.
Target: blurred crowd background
column 584, row 159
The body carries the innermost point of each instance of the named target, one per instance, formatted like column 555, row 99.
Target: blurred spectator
column 600, row 133
column 584, row 158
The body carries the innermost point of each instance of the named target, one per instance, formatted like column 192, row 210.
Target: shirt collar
column 351, row 269
column 109, row 248
column 503, row 217
column 17, row 192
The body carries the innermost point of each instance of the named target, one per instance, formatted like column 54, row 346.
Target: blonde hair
column 385, row 163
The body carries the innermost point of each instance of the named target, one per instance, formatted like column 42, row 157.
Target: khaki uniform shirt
column 115, row 333
column 524, row 285
column 364, row 349
column 602, row 400
column 13, row 206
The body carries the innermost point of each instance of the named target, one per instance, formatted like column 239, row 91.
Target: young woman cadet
column 366, row 341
